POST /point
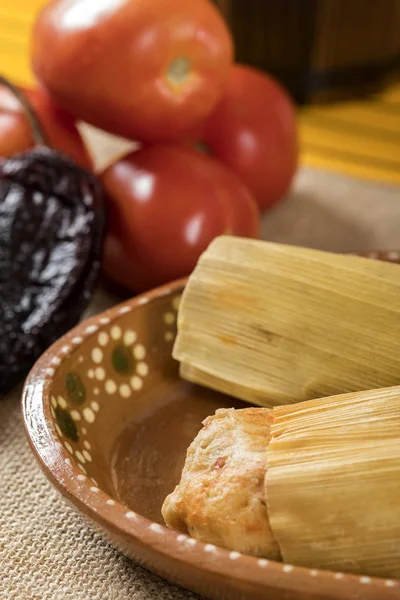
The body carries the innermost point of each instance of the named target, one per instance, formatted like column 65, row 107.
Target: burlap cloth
column 46, row 550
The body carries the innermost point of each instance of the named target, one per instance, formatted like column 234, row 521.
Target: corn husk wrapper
column 333, row 482
column 275, row 324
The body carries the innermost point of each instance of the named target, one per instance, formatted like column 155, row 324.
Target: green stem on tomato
column 38, row 134
column 203, row 147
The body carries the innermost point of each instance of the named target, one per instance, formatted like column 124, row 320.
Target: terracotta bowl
column 110, row 421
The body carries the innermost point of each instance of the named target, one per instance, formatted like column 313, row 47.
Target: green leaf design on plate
column 75, row 389
column 66, row 424
column 122, row 360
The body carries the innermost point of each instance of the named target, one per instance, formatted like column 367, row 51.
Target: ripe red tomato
column 143, row 69
column 59, row 126
column 253, row 131
column 166, row 204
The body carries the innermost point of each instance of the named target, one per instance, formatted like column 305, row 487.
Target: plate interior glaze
column 122, row 413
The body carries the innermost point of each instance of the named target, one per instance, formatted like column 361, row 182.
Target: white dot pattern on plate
column 100, row 374
column 234, row 555
column 104, row 320
column 82, row 468
column 111, row 386
column 56, row 360
column 114, row 336
column 50, row 371
column 136, row 383
column 263, row 562
column 169, row 318
column 87, row 455
column 77, row 341
column 210, row 548
column 90, row 374
column 87, row 445
column 110, row 502
column 365, row 580
column 181, row 538
column 168, row 336
column 313, row 573
column 84, row 430
column 91, row 329
column 139, row 351
column 89, row 415
column 143, row 300
column 103, row 338
column 68, row 447
column 129, row 337
column 81, row 477
column 116, row 332
column 192, row 542
column 76, row 415
column 95, row 406
column 68, row 462
column 53, row 402
column 58, row 431
column 142, row 369
column 131, row 515
column 125, row 391
column 287, row 568
column 390, row 583
column 339, row 575
column 80, row 457
column 97, row 355
column 176, row 302
column 94, row 489
column 62, row 403
column 157, row 528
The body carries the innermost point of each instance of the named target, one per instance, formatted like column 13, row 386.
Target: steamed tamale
column 333, row 482
column 275, row 324
column 331, row 494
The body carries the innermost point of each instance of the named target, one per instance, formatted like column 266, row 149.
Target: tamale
column 333, row 482
column 331, row 493
column 275, row 324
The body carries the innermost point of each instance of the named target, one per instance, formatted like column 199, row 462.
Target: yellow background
column 360, row 138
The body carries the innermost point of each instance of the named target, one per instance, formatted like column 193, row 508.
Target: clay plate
column 110, row 421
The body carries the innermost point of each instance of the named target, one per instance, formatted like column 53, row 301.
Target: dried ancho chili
column 51, row 230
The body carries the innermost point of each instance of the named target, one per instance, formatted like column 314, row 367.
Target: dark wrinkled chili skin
column 51, row 232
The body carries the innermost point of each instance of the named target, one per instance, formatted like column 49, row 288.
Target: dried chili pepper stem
column 38, row 133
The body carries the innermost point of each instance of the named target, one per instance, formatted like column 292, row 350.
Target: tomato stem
column 38, row 133
column 203, row 148
column 178, row 71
